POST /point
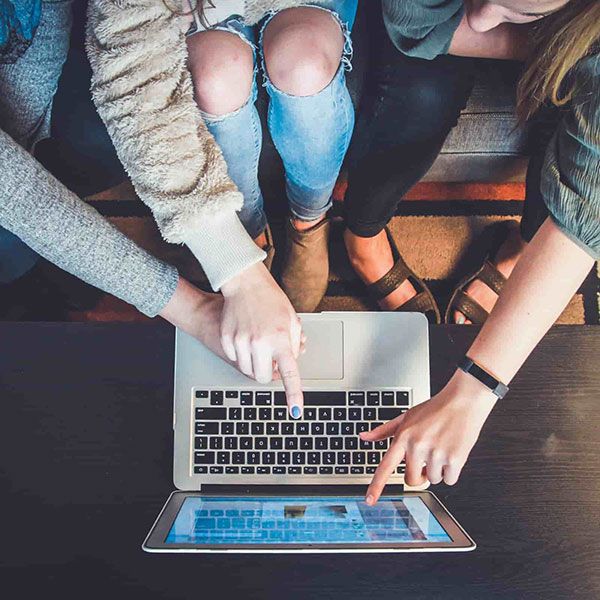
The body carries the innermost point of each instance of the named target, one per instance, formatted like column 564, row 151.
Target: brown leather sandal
column 269, row 249
column 487, row 273
column 423, row 302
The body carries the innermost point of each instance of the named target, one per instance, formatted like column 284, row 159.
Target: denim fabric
column 27, row 88
column 310, row 133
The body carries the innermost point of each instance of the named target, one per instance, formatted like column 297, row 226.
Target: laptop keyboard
column 251, row 433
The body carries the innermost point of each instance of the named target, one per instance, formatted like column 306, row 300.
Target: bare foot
column 372, row 258
column 306, row 225
column 505, row 260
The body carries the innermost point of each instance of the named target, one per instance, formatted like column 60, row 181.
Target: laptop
column 252, row 479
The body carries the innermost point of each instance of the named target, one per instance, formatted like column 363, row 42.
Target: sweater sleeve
column 65, row 230
column 143, row 92
column 571, row 176
column 422, row 28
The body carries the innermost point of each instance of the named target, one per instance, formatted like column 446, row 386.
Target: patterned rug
column 435, row 228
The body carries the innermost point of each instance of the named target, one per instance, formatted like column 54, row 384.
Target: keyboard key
column 263, row 399
column 341, row 470
column 306, row 443
column 340, row 414
column 242, row 428
column 294, row 470
column 357, row 470
column 356, row 398
column 310, row 470
column 336, row 443
column 216, row 470
column 250, row 414
column 332, row 428
column 370, row 413
column 264, row 414
column 216, row 398
column 238, row 458
column 201, row 443
column 355, row 414
column 246, row 443
column 216, row 443
column 287, row 429
column 232, row 470
column 321, row 443
column 370, row 470
column 291, row 443
column 246, row 398
column 372, row 398
column 343, row 458
column 222, row 458
column 360, row 427
column 387, row 398
column 247, row 470
column 402, row 399
column 268, row 458
column 276, row 443
column 328, row 458
column 261, row 443
column 263, row 470
column 279, row 470
column 298, row 458
column 347, row 428
column 257, row 428
column 363, row 445
column 232, row 394
column 200, row 470
column 272, row 428
column 227, row 428
column 310, row 413
column 201, row 393
column 351, row 443
column 317, row 428
column 325, row 470
column 301, row 428
column 204, row 413
column 325, row 414
column 400, row 469
column 387, row 414
column 314, row 458
column 206, row 428
column 253, row 458
column 235, row 413
column 280, row 414
column 373, row 458
column 359, row 458
column 325, row 398
column 231, row 443
column 381, row 444
column 283, row 458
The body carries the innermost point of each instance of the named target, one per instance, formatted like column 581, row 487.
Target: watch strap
column 498, row 388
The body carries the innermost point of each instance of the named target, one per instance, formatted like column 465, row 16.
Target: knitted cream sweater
column 143, row 92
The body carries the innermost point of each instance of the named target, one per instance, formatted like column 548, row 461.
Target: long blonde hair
column 560, row 42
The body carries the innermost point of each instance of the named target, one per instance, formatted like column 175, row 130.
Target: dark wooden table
column 86, row 447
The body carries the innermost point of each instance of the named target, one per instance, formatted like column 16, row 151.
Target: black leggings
column 410, row 107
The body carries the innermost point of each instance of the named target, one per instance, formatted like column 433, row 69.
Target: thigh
column 27, row 87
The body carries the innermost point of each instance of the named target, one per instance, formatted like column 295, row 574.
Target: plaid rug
column 435, row 228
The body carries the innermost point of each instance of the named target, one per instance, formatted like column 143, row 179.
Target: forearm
column 507, row 41
column 546, row 277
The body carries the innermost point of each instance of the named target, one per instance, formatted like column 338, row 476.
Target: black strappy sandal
column 488, row 273
column 423, row 302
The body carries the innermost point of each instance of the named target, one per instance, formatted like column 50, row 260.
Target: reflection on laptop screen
column 316, row 520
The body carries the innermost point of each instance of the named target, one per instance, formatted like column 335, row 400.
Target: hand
column 260, row 331
column 436, row 437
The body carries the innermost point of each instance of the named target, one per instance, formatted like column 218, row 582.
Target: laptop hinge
column 310, row 490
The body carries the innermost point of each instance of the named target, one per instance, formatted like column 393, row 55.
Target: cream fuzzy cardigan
column 143, row 92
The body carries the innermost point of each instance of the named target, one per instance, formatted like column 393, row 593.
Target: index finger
column 384, row 471
column 290, row 376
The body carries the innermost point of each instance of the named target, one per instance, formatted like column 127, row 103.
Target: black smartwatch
column 497, row 387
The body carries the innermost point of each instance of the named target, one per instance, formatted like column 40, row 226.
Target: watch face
column 497, row 387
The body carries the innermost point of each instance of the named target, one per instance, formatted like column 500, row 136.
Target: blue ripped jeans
column 311, row 133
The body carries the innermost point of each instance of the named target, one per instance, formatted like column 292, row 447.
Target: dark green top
column 571, row 176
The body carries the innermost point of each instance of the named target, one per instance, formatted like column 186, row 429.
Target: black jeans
column 410, row 107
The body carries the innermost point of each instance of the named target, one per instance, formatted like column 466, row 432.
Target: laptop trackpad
column 324, row 357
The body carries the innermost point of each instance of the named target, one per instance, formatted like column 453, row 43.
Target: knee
column 222, row 69
column 302, row 49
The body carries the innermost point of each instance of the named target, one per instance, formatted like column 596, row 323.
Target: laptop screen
column 304, row 520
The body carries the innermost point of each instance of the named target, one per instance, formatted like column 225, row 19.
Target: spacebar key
column 316, row 398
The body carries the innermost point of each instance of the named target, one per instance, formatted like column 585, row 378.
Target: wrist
column 186, row 303
column 471, row 389
column 245, row 280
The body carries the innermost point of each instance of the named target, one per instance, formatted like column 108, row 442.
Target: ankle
column 300, row 225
